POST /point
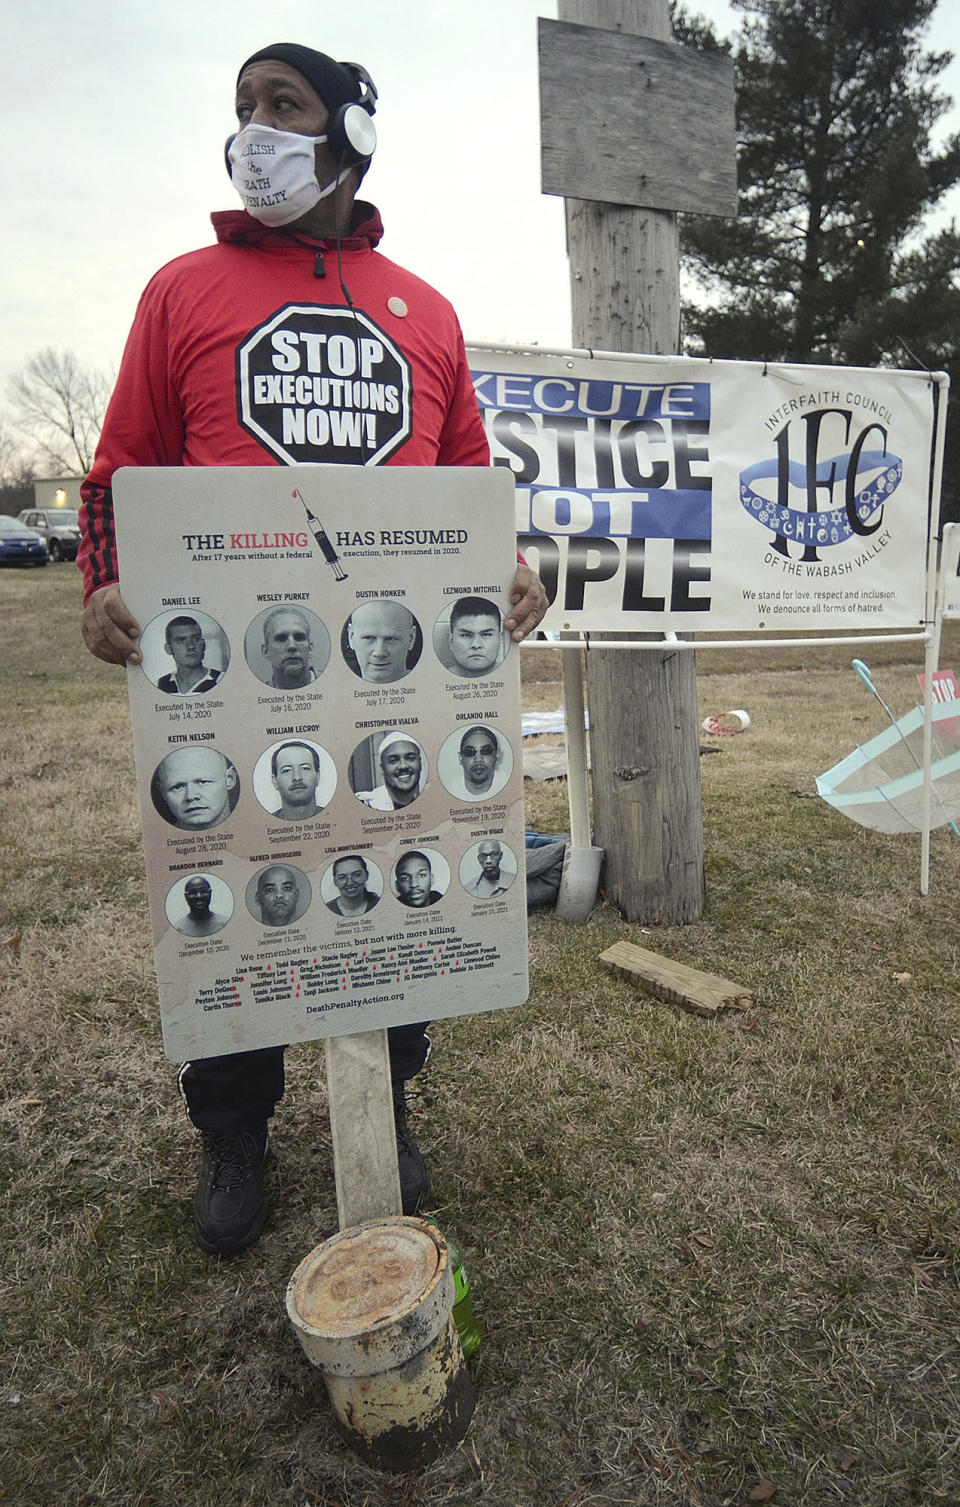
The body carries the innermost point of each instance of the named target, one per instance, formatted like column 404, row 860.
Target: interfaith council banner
column 666, row 494
column 328, row 745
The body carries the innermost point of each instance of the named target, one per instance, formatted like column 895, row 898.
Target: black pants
column 241, row 1091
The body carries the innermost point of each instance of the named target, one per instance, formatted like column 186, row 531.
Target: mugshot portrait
column 469, row 638
column 488, row 869
column 351, row 886
column 199, row 905
column 294, row 780
column 185, row 653
column 195, row 787
column 474, row 762
column 287, row 647
column 388, row 770
column 381, row 641
column 420, row 877
column 278, row 895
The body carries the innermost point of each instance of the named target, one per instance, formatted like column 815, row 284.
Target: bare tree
column 15, row 468
column 60, row 404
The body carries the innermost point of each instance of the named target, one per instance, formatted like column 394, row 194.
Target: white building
column 57, row 492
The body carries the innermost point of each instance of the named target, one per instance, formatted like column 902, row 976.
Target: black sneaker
column 229, row 1209
column 414, row 1177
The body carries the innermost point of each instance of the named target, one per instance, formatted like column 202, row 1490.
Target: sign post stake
column 361, row 1125
column 624, row 269
column 578, row 789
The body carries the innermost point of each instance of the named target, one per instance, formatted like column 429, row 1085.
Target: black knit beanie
column 335, row 84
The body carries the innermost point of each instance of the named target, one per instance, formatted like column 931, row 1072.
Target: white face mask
column 274, row 172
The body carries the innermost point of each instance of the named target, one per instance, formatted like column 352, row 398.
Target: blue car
column 20, row 545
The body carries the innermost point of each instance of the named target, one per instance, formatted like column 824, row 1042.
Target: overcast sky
column 119, row 113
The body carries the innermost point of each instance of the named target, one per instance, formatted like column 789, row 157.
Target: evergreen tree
column 828, row 262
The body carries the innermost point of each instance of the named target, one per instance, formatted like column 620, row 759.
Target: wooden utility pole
column 644, row 732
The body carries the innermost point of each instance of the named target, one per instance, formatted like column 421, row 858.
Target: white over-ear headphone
column 351, row 133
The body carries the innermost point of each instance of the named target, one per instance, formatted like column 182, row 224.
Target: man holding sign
column 238, row 356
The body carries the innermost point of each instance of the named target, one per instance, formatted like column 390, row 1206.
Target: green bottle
column 463, row 1315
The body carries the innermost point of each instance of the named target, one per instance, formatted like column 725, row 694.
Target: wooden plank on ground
column 361, row 1124
column 701, row 993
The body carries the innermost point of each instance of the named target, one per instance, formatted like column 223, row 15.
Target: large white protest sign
column 327, row 737
column 665, row 494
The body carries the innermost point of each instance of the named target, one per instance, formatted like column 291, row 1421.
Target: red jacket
column 248, row 353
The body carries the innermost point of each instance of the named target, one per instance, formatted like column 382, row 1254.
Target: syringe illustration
column 319, row 533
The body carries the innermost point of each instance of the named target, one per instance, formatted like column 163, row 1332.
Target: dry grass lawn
column 714, row 1261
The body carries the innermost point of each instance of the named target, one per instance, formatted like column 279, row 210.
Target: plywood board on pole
column 629, row 120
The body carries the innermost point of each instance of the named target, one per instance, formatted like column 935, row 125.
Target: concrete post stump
column 373, row 1309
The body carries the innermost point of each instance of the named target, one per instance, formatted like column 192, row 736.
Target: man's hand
column 110, row 631
column 529, row 603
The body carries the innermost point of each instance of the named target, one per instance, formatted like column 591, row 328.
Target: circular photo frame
column 420, row 878
column 199, row 905
column 352, row 886
column 195, row 787
column 278, row 894
column 388, row 771
column 488, row 869
column 287, row 647
column 474, row 762
column 185, row 653
column 294, row 780
column 469, row 638
column 381, row 641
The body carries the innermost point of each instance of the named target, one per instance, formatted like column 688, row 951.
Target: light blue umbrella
column 880, row 784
